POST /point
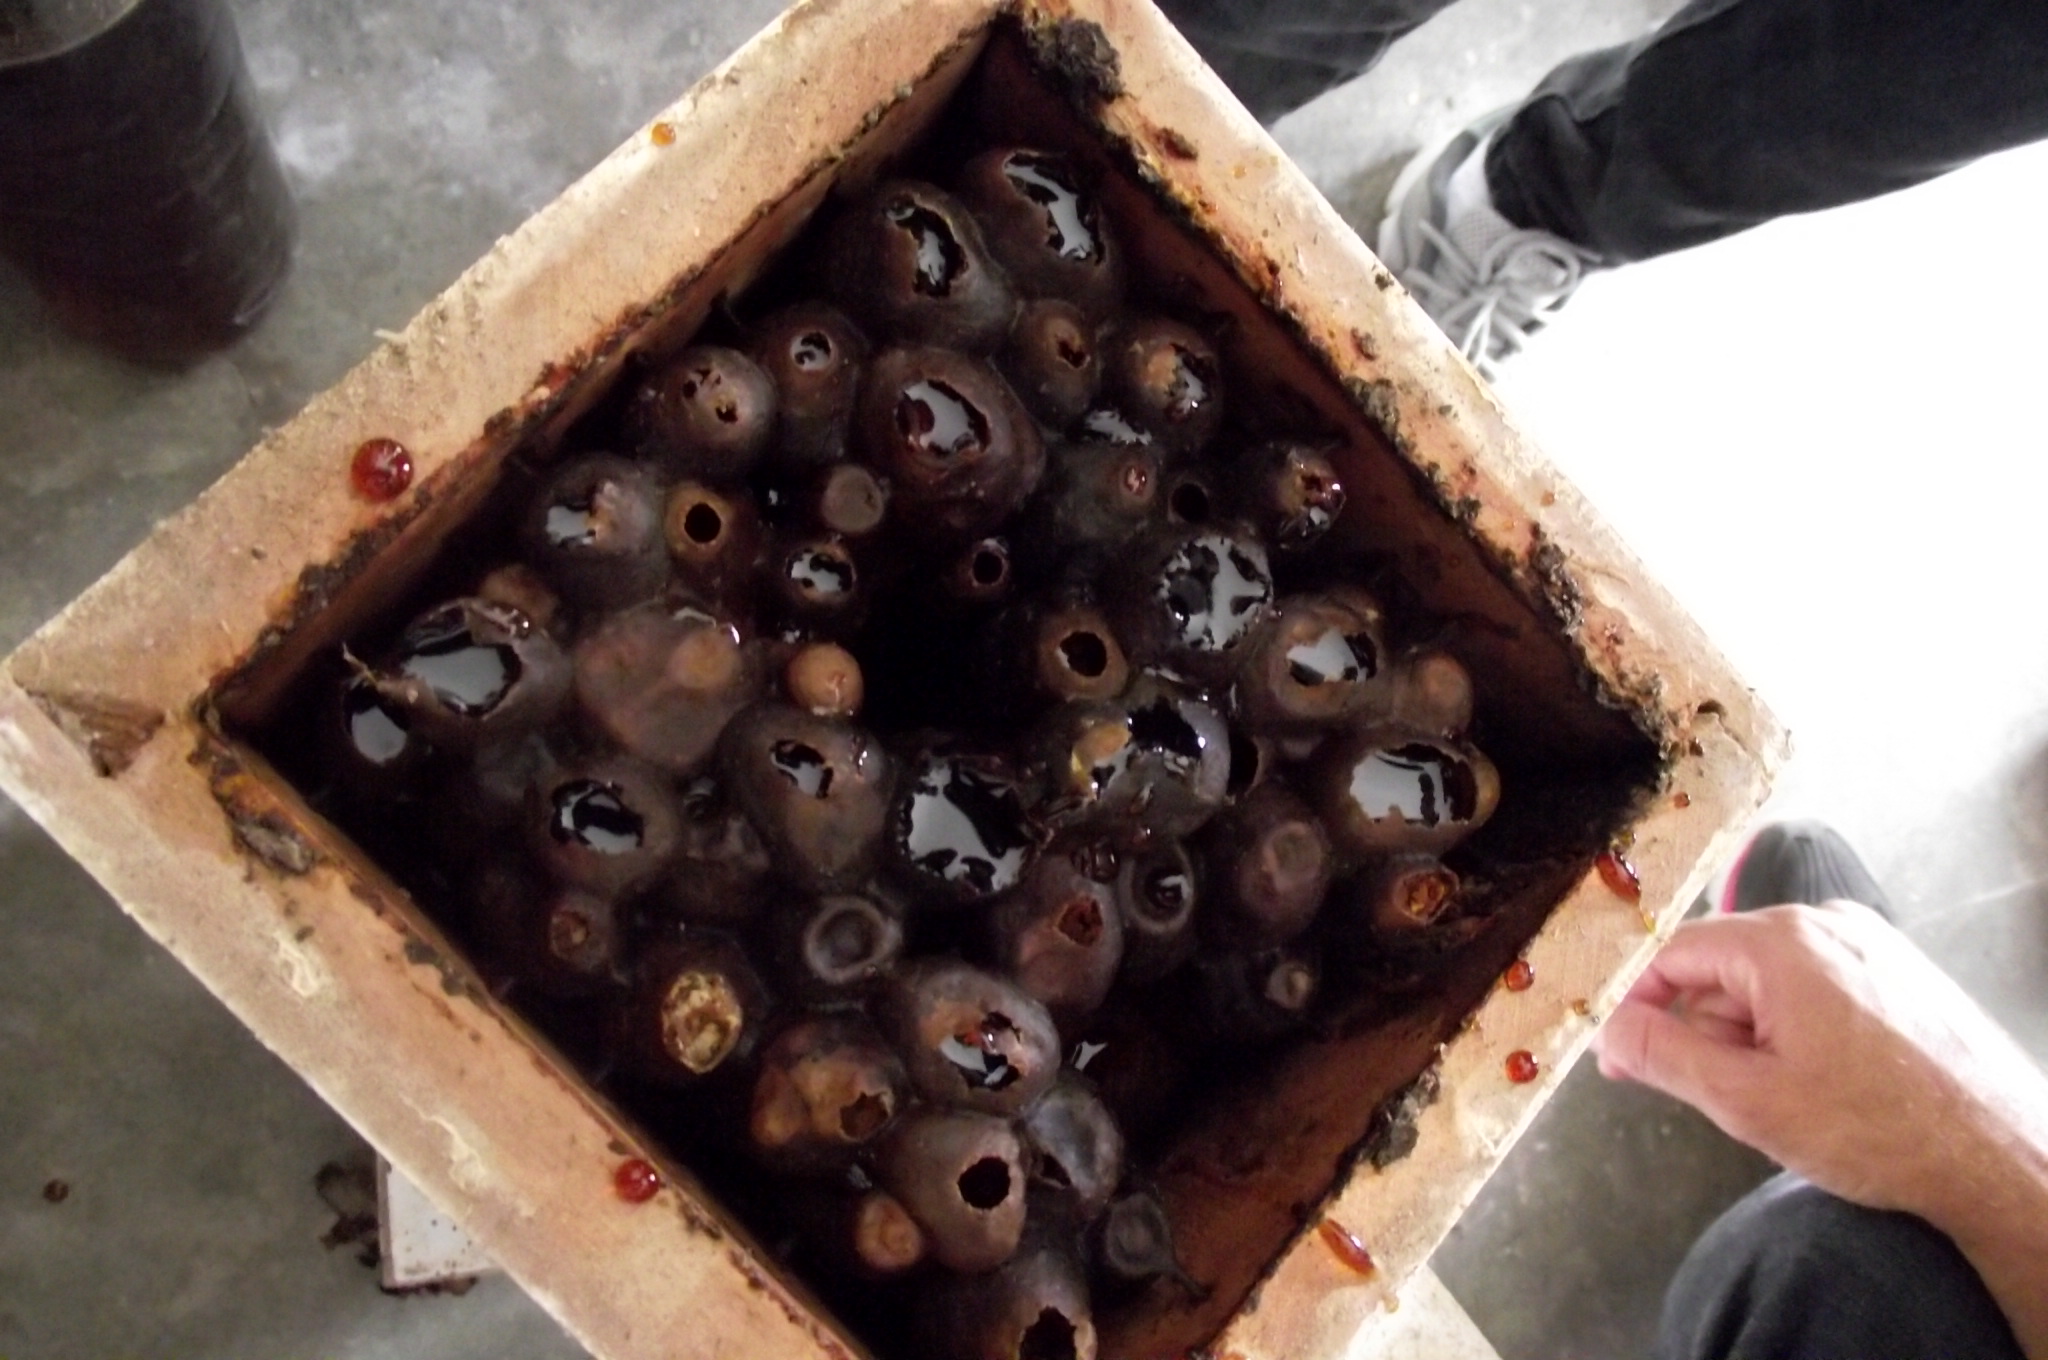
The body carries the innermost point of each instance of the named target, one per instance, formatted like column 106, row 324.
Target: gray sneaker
column 1487, row 282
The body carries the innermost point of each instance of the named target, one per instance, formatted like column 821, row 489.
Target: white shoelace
column 1488, row 306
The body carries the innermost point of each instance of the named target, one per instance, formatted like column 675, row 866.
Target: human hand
column 1823, row 1038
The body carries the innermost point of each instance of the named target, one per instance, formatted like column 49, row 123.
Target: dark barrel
column 138, row 188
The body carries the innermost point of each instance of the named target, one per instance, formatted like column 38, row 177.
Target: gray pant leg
column 1277, row 56
column 1793, row 1273
column 1739, row 111
column 1732, row 113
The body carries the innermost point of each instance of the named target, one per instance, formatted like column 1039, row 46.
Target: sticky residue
column 467, row 1168
column 270, row 838
column 1393, row 1132
column 304, row 973
column 1079, row 52
column 465, row 1165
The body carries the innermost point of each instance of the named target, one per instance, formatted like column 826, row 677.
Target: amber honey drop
column 1522, row 1066
column 1520, row 976
column 1620, row 876
column 1681, row 800
column 1346, row 1248
column 381, row 469
column 636, row 1180
column 662, row 134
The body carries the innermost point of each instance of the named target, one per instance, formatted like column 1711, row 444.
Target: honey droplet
column 1581, row 1006
column 662, row 134
column 1347, row 1249
column 1522, row 1066
column 1520, row 976
column 1548, row 499
column 636, row 1180
column 1620, row 876
column 1681, row 800
column 381, row 469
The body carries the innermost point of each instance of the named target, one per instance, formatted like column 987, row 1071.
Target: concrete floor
column 1813, row 434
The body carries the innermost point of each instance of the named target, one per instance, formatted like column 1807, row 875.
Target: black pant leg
column 1793, row 1273
column 1277, row 56
column 1738, row 111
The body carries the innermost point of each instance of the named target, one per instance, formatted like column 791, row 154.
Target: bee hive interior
column 1241, row 1145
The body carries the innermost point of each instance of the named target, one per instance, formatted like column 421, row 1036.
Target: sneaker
column 1489, row 283
column 1800, row 862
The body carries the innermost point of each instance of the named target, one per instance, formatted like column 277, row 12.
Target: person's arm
column 1824, row 1039
column 1995, row 1208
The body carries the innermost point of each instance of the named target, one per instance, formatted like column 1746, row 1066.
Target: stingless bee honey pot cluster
column 946, row 673
column 880, row 690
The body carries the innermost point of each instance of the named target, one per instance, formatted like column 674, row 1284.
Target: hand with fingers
column 1825, row 1039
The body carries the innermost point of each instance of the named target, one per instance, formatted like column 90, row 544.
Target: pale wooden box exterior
column 106, row 734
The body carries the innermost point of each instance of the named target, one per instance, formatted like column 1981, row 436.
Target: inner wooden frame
column 109, row 727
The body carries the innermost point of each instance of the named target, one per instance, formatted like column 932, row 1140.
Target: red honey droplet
column 1620, row 876
column 636, row 1180
column 1520, row 977
column 1522, row 1066
column 662, row 134
column 1345, row 1247
column 1681, row 800
column 381, row 469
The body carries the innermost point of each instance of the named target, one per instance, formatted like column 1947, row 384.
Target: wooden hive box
column 118, row 720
